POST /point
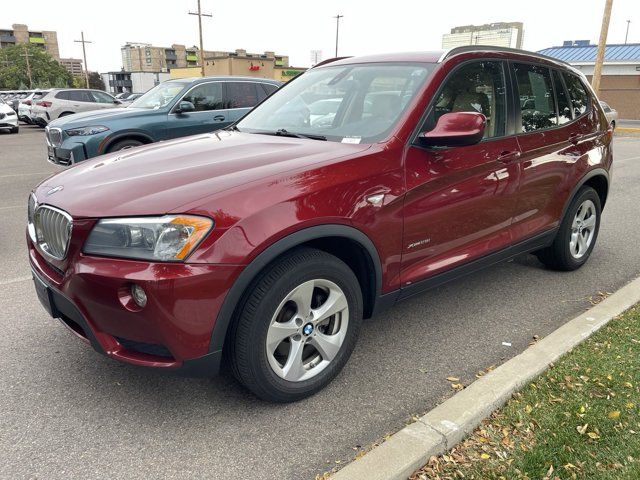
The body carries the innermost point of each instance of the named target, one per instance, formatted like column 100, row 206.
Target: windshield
column 352, row 103
column 159, row 96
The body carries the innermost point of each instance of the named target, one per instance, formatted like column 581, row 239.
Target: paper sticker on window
column 351, row 140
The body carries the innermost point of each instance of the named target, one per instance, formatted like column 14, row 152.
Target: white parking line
column 15, row 280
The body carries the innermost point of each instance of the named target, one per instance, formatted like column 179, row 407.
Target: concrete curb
column 448, row 423
column 627, row 130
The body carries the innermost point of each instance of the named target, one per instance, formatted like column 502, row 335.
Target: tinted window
column 80, row 96
column 564, row 106
column 102, row 97
column 537, row 105
column 476, row 87
column 204, row 97
column 63, row 95
column 242, row 94
column 578, row 94
column 268, row 88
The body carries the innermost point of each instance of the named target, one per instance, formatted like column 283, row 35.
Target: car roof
column 439, row 56
column 225, row 78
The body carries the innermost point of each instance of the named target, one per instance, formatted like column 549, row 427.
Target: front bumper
column 172, row 332
column 74, row 149
column 9, row 121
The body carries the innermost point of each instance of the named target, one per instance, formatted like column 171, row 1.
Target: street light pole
column 626, row 36
column 597, row 70
column 26, row 55
column 200, row 15
column 84, row 55
column 337, row 17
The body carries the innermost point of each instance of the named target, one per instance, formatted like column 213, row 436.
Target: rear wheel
column 124, row 144
column 15, row 129
column 297, row 327
column 577, row 235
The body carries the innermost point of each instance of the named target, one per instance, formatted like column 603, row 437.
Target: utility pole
column 626, row 36
column 26, row 55
column 337, row 17
column 84, row 55
column 597, row 71
column 200, row 15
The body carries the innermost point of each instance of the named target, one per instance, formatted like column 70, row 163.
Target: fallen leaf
column 593, row 435
column 614, row 414
column 453, row 379
column 484, row 456
column 582, row 429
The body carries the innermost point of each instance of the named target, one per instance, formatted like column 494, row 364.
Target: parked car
column 26, row 104
column 8, row 118
column 611, row 113
column 60, row 102
column 270, row 241
column 14, row 99
column 130, row 98
column 172, row 109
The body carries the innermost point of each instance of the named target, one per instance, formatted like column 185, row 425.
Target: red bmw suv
column 360, row 183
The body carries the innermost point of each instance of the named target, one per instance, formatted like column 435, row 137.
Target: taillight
column 27, row 102
column 44, row 104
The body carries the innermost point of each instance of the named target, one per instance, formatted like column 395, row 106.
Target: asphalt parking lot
column 67, row 412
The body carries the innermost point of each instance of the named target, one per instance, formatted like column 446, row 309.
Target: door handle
column 508, row 156
column 575, row 138
column 218, row 118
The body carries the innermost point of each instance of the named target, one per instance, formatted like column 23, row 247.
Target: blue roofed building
column 620, row 84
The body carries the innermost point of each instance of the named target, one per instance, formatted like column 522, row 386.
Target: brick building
column 620, row 83
column 20, row 34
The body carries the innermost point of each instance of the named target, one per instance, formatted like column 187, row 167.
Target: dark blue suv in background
column 172, row 109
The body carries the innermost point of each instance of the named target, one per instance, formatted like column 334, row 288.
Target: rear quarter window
column 577, row 93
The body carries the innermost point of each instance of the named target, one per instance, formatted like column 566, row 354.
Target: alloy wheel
column 307, row 330
column 582, row 229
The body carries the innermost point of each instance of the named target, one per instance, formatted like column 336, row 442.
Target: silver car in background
column 611, row 113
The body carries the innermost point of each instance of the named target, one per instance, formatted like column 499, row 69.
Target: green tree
column 45, row 71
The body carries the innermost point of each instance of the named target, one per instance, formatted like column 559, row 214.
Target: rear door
column 209, row 114
column 550, row 134
column 460, row 201
column 241, row 97
column 80, row 101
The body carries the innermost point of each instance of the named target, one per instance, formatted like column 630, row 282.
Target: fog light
column 138, row 295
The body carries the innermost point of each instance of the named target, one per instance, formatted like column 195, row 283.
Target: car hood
column 95, row 117
column 161, row 177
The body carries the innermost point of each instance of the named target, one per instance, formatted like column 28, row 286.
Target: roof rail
column 329, row 60
column 484, row 48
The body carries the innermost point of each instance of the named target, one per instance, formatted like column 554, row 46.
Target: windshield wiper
column 282, row 132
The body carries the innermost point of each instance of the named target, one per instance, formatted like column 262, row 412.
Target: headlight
column 170, row 238
column 11, row 113
column 82, row 131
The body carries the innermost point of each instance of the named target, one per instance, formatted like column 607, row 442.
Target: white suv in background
column 60, row 102
column 8, row 117
column 27, row 103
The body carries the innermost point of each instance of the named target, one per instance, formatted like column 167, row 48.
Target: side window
column 205, row 97
column 578, row 94
column 102, row 97
column 63, row 95
column 537, row 106
column 268, row 88
column 476, row 87
column 242, row 94
column 605, row 107
column 80, row 96
column 564, row 105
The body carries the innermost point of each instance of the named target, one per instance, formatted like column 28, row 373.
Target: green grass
column 580, row 419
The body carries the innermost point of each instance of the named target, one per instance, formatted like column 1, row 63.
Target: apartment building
column 500, row 34
column 73, row 65
column 20, row 34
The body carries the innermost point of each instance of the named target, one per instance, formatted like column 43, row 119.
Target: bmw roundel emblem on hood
column 54, row 190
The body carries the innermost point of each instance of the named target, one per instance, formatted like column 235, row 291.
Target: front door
column 460, row 201
column 209, row 112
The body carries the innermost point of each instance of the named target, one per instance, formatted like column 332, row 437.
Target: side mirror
column 455, row 129
column 184, row 107
column 117, row 102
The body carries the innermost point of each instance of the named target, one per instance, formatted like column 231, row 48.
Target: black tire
column 558, row 256
column 246, row 346
column 124, row 144
column 15, row 130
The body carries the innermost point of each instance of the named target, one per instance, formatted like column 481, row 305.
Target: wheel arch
column 347, row 243
column 141, row 136
column 598, row 179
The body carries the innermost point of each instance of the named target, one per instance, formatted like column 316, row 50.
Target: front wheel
column 577, row 234
column 15, row 130
column 297, row 326
column 124, row 144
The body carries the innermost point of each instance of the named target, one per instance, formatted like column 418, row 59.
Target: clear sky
column 295, row 28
